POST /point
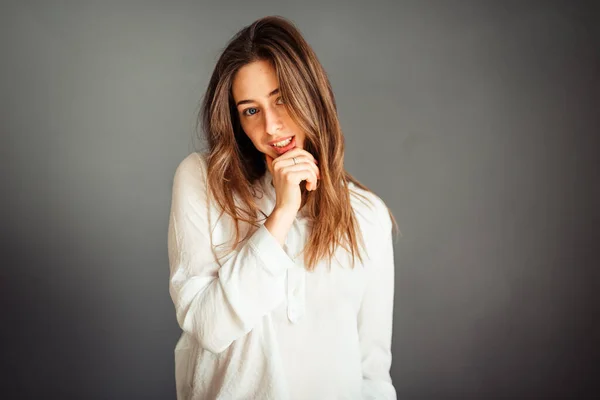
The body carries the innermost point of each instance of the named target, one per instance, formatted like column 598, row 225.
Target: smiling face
column 263, row 116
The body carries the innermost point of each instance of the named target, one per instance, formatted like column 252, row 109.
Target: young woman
column 281, row 263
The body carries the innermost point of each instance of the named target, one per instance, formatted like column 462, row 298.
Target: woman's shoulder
column 192, row 167
column 369, row 208
column 193, row 162
column 190, row 177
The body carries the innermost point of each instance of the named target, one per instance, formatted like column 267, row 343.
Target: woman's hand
column 287, row 176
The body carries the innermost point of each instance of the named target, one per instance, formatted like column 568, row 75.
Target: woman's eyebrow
column 273, row 93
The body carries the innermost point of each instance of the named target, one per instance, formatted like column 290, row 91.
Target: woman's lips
column 282, row 150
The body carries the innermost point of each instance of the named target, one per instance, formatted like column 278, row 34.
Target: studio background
column 475, row 121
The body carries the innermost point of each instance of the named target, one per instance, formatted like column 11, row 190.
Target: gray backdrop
column 476, row 122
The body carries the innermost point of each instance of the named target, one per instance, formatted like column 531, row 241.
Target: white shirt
column 258, row 325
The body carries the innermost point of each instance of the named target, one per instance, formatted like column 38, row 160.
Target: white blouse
column 256, row 324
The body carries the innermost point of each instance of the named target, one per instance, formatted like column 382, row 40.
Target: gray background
column 476, row 122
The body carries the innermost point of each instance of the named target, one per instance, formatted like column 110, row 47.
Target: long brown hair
column 234, row 164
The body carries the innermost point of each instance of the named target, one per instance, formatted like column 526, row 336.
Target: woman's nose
column 273, row 122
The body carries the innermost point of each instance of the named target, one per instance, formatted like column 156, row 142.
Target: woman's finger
column 296, row 152
column 302, row 166
column 302, row 175
column 282, row 162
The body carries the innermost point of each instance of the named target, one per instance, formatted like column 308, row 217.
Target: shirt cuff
column 275, row 260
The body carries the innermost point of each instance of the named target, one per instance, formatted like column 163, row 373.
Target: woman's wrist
column 279, row 223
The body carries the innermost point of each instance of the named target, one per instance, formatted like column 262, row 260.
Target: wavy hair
column 234, row 164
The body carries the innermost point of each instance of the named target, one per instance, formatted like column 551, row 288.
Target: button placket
column 296, row 279
column 296, row 293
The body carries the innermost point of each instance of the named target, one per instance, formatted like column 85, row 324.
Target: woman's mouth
column 285, row 145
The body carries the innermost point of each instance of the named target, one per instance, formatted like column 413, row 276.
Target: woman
column 282, row 269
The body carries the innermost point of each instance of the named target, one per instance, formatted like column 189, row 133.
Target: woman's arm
column 375, row 318
column 218, row 303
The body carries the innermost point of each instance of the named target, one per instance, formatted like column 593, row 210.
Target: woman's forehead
column 255, row 80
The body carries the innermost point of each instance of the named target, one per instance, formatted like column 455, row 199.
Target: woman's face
column 262, row 114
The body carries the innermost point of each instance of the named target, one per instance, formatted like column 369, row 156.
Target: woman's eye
column 250, row 111
column 280, row 100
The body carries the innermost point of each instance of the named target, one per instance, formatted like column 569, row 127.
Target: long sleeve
column 375, row 319
column 218, row 301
